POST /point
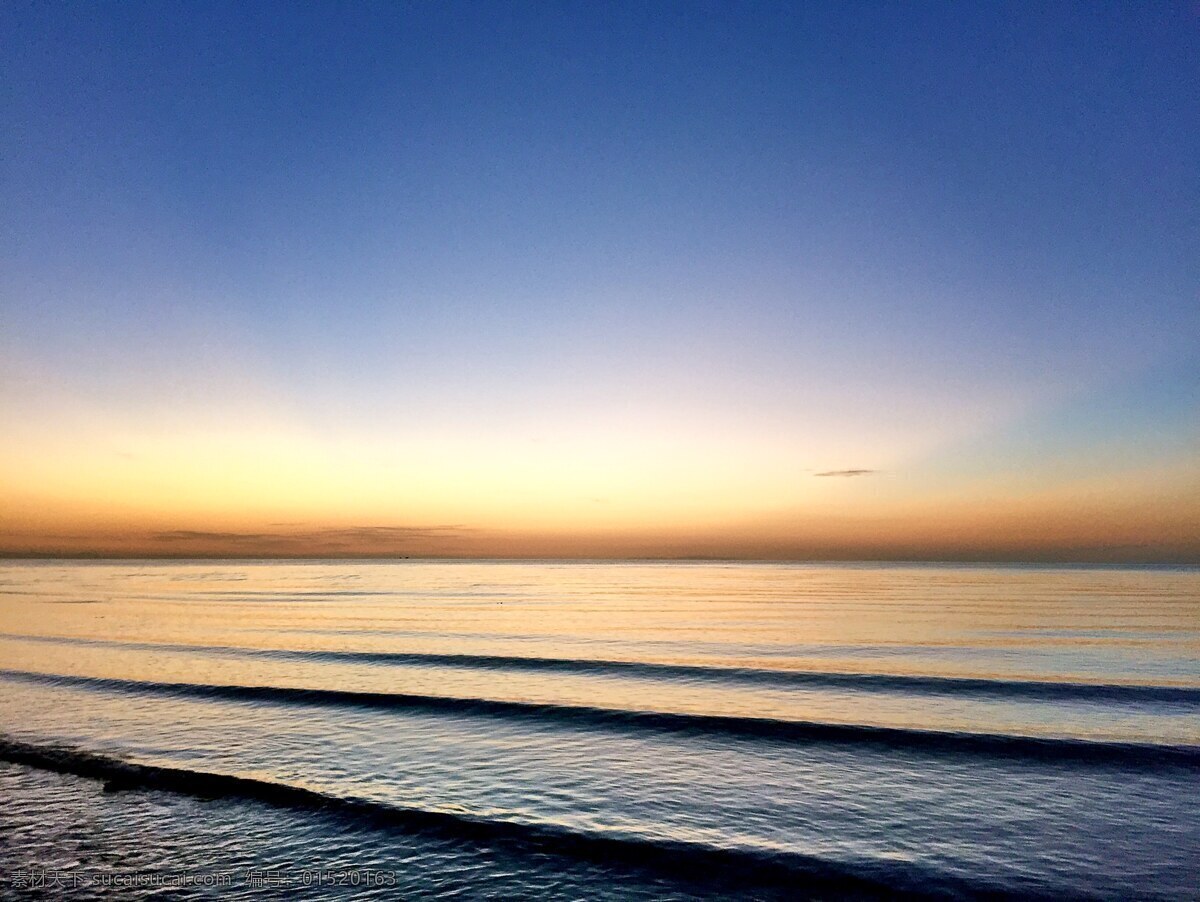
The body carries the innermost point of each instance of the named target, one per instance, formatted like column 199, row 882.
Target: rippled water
column 616, row 730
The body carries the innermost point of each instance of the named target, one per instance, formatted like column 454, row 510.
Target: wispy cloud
column 347, row 537
column 191, row 535
column 846, row 473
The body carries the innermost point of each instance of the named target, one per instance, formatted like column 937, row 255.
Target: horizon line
column 382, row 558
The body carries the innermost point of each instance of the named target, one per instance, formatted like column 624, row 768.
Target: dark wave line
column 696, row 862
column 806, row 732
column 791, row 679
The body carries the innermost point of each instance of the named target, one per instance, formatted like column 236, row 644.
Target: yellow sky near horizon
column 277, row 496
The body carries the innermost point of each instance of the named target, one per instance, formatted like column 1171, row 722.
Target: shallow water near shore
column 602, row 730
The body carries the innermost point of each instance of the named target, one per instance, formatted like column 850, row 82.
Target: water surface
column 607, row 730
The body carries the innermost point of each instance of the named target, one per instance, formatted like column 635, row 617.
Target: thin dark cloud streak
column 192, row 535
column 846, row 473
column 328, row 536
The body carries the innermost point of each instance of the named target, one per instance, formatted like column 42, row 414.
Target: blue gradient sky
column 603, row 277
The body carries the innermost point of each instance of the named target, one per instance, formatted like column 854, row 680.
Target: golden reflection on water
column 1085, row 625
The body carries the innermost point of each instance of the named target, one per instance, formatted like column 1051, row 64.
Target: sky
column 764, row 280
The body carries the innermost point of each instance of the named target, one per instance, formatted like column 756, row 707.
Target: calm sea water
column 608, row 730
